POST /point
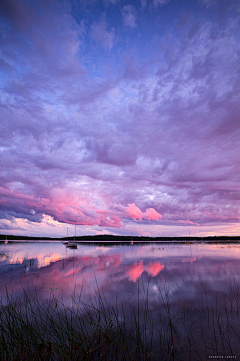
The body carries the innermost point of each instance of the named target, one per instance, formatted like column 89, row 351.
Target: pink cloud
column 110, row 221
column 134, row 212
column 152, row 214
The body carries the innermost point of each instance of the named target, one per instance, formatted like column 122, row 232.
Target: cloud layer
column 121, row 118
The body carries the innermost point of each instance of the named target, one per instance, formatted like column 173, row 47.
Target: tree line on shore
column 115, row 238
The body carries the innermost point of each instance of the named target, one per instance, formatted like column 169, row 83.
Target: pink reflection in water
column 137, row 270
column 130, row 275
column 52, row 268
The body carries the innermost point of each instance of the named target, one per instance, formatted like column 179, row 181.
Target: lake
column 186, row 297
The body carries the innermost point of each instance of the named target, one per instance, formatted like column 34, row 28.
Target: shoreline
column 112, row 239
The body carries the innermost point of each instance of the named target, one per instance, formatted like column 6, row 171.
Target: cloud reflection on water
column 182, row 268
column 192, row 279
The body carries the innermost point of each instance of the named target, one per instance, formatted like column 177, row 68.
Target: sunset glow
column 120, row 117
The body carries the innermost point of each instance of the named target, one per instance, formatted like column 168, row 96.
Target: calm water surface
column 193, row 277
column 183, row 268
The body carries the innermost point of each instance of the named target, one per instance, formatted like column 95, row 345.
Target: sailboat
column 66, row 242
column 70, row 244
column 6, row 240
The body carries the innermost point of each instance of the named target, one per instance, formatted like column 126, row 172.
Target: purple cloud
column 121, row 132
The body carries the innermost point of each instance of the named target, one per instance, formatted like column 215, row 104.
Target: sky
column 122, row 117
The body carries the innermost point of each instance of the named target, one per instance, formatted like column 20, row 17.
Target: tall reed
column 31, row 329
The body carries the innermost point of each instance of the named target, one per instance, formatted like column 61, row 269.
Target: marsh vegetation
column 32, row 329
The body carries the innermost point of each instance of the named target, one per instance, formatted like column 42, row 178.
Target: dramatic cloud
column 120, row 118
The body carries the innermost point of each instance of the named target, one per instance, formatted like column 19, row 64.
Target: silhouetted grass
column 31, row 329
